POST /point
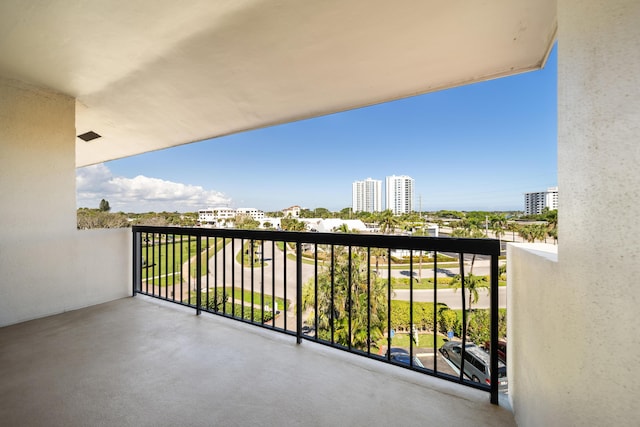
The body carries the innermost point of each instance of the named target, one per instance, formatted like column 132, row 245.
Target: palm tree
column 387, row 221
column 473, row 284
column 513, row 228
column 470, row 231
column 552, row 225
column 498, row 223
column 357, row 299
column 342, row 228
column 378, row 252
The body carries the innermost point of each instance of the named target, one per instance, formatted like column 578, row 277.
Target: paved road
column 280, row 275
column 452, row 297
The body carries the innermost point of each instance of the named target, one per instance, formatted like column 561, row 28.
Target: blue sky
column 477, row 147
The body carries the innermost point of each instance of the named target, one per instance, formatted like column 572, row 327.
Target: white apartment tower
column 400, row 194
column 534, row 203
column 367, row 195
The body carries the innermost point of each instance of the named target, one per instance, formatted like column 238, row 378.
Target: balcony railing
column 348, row 291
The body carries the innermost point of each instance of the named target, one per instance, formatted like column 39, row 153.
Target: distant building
column 534, row 203
column 219, row 216
column 215, row 216
column 328, row 225
column 367, row 195
column 252, row 212
column 399, row 191
column 291, row 212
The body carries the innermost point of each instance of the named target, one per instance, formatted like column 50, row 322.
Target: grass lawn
column 167, row 257
column 424, row 340
column 246, row 249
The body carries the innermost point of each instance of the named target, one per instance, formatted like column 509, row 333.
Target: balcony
column 143, row 361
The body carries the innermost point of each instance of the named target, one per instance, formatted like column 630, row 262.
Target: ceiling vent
column 89, row 136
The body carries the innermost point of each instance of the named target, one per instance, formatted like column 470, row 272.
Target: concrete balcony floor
column 139, row 361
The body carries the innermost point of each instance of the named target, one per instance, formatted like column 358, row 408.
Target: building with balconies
column 536, row 202
column 399, row 190
column 83, row 83
column 366, row 195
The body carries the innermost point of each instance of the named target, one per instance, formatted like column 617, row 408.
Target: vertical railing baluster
column 368, row 299
column 412, row 326
column 435, row 311
column 493, row 361
column 349, row 297
column 189, row 270
column 242, row 254
column 273, row 283
column 145, row 264
column 315, row 292
column 215, row 274
column 233, row 277
column 198, row 274
column 224, row 275
column 389, row 337
column 284, row 266
column 332, row 293
column 180, row 268
column 298, row 291
column 262, row 298
column 252, row 287
column 173, row 268
column 464, row 317
column 206, row 268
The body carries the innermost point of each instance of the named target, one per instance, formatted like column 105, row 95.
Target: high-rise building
column 400, row 194
column 367, row 195
column 534, row 203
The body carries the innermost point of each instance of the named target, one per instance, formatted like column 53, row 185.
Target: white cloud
column 141, row 194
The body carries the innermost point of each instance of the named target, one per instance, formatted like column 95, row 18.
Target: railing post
column 298, row 292
column 198, row 274
column 493, row 357
column 136, row 261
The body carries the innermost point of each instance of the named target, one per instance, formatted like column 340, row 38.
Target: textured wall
column 587, row 322
column 47, row 266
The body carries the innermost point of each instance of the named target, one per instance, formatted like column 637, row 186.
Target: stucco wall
column 576, row 349
column 46, row 265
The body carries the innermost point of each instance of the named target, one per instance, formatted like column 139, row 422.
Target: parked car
column 400, row 355
column 502, row 350
column 476, row 363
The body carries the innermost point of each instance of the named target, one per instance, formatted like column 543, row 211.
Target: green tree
column 245, row 222
column 345, row 213
column 292, row 224
column 552, row 224
column 104, row 206
column 323, row 213
column 479, row 330
column 342, row 228
column 448, row 321
column 513, row 228
column 498, row 224
column 351, row 300
column 472, row 284
column 387, row 221
column 95, row 218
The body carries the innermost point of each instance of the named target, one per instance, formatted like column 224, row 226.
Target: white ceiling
column 151, row 74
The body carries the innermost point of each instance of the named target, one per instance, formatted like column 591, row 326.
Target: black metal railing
column 363, row 293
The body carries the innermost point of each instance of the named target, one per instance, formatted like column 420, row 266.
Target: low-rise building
column 291, row 212
column 256, row 214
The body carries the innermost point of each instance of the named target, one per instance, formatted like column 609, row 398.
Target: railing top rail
column 440, row 244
